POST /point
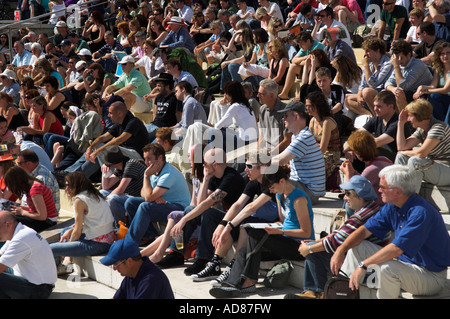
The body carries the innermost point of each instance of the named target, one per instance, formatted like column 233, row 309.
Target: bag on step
column 337, row 287
column 278, row 276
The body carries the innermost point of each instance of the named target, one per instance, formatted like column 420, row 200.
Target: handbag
column 278, row 276
column 337, row 287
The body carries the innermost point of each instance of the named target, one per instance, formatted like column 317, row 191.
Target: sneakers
column 196, row 267
column 231, row 292
column 64, row 269
column 223, row 276
column 172, row 259
column 308, row 294
column 211, row 271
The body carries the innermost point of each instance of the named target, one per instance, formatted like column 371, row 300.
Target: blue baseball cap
column 121, row 249
column 361, row 185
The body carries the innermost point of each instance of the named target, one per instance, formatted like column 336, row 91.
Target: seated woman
column 359, row 195
column 326, row 132
column 40, row 212
column 43, row 68
column 240, row 114
column 43, row 122
column 55, row 98
column 96, row 79
column 10, row 112
column 279, row 63
column 258, row 67
column 431, row 160
column 92, row 232
column 295, row 212
column 6, row 135
column 348, row 73
column 363, row 145
column 156, row 31
column 439, row 89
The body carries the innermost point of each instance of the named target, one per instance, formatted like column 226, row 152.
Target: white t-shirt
column 335, row 23
column 249, row 18
column 276, row 10
column 30, row 256
column 147, row 63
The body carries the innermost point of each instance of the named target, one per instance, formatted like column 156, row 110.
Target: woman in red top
column 44, row 121
column 40, row 212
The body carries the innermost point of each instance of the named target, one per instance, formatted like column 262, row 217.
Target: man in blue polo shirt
column 417, row 258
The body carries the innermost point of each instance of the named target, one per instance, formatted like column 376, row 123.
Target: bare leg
column 293, row 70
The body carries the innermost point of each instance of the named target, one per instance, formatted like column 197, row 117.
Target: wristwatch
column 361, row 265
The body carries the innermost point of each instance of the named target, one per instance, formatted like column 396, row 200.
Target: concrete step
column 437, row 195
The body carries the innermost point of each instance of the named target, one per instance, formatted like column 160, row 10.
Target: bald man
column 30, row 256
column 222, row 186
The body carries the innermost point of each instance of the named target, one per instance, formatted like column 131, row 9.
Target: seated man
column 29, row 161
column 104, row 55
column 128, row 132
column 334, row 40
column 166, row 108
column 426, row 33
column 173, row 67
column 22, row 58
column 178, row 36
column 132, row 86
column 409, row 73
column 192, row 109
column 383, row 126
column 377, row 68
column 394, row 18
column 222, row 187
column 349, row 13
column 324, row 19
column 30, row 256
column 164, row 190
column 303, row 153
column 121, row 179
column 417, row 258
column 202, row 49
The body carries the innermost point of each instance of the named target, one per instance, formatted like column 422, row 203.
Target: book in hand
column 263, row 225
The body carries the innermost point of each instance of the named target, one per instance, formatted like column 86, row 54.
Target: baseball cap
column 10, row 74
column 61, row 24
column 127, row 59
column 66, row 42
column 295, row 106
column 121, row 249
column 361, row 185
column 84, row 52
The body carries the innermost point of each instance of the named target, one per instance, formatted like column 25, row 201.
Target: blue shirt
column 149, row 283
column 420, row 232
column 181, row 38
column 22, row 59
column 289, row 213
column 415, row 74
column 171, row 179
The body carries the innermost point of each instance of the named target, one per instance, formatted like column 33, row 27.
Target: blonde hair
column 421, row 109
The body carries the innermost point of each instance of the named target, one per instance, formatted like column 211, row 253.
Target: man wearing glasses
column 325, row 18
column 417, row 258
column 396, row 19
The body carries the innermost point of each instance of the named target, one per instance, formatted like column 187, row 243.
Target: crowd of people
column 70, row 119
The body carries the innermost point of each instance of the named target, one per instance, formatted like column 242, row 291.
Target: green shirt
column 391, row 20
column 137, row 79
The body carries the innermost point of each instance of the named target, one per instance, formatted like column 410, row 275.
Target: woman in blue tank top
column 271, row 243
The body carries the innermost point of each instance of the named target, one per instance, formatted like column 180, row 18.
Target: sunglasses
column 250, row 166
column 388, row 3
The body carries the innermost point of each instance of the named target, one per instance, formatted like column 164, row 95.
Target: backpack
column 337, row 287
column 278, row 276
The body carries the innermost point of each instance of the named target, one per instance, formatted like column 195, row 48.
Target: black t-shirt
column 232, row 183
column 135, row 170
column 254, row 188
column 134, row 126
column 376, row 127
column 166, row 110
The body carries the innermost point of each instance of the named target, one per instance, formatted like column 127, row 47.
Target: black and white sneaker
column 211, row 271
column 223, row 276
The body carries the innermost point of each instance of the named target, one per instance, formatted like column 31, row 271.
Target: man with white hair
column 36, row 50
column 417, row 258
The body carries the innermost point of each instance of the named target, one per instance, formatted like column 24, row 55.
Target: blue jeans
column 16, row 287
column 151, row 129
column 317, row 267
column 230, row 72
column 80, row 248
column 50, row 139
column 85, row 166
column 142, row 214
column 116, row 204
column 441, row 109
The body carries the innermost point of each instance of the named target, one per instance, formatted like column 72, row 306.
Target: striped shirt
column 359, row 218
column 415, row 74
column 134, row 170
column 308, row 165
column 379, row 75
column 441, row 131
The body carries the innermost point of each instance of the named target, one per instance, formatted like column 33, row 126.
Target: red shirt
column 41, row 189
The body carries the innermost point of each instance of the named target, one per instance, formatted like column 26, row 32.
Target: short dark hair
column 29, row 156
column 402, row 47
column 428, row 27
column 156, row 149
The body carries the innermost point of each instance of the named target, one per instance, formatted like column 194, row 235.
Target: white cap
column 85, row 52
column 61, row 24
column 10, row 74
column 127, row 59
column 79, row 64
